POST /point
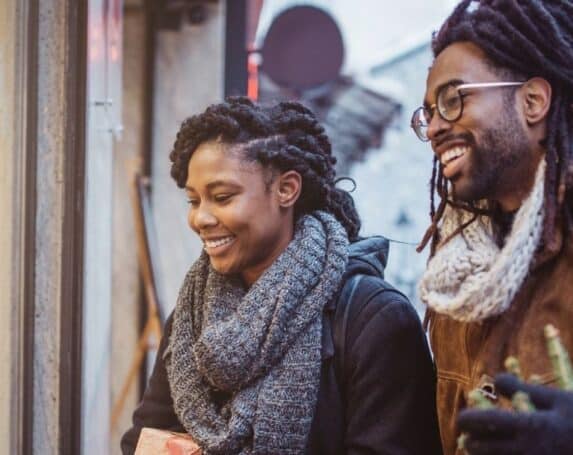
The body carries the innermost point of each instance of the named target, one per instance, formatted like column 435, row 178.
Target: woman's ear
column 289, row 186
column 536, row 100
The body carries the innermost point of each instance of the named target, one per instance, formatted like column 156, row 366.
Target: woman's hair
column 286, row 136
column 524, row 39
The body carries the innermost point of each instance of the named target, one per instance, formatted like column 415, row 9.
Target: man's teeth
column 452, row 154
column 219, row 242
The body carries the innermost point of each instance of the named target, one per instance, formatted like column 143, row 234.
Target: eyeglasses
column 449, row 104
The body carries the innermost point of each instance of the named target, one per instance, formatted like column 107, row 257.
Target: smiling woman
column 285, row 338
column 242, row 214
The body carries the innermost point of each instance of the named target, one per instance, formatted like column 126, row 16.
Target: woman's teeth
column 218, row 242
column 452, row 154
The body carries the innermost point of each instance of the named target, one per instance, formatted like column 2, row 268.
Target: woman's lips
column 218, row 245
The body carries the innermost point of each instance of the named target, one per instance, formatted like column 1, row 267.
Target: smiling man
column 498, row 115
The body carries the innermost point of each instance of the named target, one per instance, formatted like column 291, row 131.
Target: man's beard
column 495, row 160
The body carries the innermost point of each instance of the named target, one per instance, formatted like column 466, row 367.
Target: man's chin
column 462, row 192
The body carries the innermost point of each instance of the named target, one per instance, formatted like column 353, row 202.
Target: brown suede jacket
column 469, row 355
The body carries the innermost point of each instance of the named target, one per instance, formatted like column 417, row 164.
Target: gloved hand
column 548, row 430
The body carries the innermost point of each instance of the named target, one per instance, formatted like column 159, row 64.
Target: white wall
column 126, row 282
column 189, row 71
column 393, row 181
column 369, row 27
column 103, row 89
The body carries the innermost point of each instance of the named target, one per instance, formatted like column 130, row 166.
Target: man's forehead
column 462, row 61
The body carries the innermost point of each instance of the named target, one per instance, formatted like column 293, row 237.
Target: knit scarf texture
column 470, row 278
column 244, row 365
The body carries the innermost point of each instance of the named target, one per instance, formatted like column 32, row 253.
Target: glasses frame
column 431, row 110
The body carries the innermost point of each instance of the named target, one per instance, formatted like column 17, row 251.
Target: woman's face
column 237, row 209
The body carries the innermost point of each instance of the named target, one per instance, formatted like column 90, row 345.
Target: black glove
column 548, row 430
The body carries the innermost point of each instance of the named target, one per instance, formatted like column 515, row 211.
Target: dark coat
column 383, row 403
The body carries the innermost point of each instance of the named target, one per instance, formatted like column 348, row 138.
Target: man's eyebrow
column 215, row 184
column 426, row 104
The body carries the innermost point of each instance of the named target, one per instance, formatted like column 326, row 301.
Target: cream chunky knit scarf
column 244, row 365
column 470, row 278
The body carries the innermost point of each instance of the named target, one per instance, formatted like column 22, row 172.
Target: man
column 498, row 114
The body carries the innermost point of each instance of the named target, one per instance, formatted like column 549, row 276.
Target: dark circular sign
column 303, row 48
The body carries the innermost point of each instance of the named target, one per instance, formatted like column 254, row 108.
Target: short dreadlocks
column 527, row 38
column 286, row 136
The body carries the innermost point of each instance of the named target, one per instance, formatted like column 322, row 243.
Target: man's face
column 486, row 152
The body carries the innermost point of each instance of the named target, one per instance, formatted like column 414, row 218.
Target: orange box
column 162, row 442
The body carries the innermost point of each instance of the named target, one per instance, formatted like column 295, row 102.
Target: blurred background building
column 93, row 93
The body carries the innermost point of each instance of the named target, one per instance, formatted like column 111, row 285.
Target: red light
column 253, row 63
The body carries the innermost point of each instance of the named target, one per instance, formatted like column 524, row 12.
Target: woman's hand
column 548, row 430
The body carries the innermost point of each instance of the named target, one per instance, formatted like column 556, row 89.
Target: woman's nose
column 202, row 218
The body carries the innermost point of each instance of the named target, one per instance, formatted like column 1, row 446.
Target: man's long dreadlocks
column 529, row 38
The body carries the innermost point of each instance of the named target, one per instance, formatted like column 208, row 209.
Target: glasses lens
column 450, row 103
column 419, row 123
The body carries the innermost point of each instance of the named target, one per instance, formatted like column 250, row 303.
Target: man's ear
column 289, row 186
column 536, row 100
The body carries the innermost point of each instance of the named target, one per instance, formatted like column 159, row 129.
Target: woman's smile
column 218, row 245
column 236, row 209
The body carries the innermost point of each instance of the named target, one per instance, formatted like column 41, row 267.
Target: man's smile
column 453, row 159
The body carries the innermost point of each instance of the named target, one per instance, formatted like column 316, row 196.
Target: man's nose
column 437, row 126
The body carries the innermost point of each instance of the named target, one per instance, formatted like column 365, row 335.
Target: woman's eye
column 192, row 202
column 222, row 197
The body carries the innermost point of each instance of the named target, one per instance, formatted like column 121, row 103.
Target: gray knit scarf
column 244, row 365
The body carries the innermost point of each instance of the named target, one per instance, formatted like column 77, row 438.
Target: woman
column 285, row 338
